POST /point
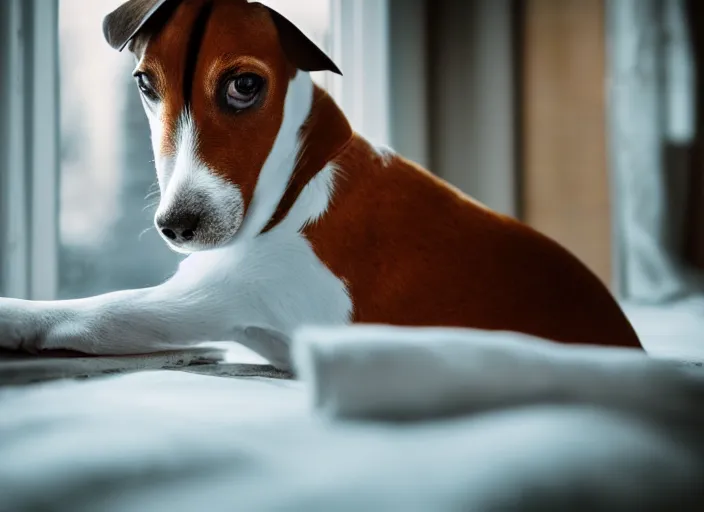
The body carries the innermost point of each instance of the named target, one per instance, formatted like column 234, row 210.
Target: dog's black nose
column 180, row 227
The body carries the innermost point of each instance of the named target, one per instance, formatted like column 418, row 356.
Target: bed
column 378, row 419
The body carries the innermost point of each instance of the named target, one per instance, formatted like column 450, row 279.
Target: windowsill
column 672, row 331
column 214, row 359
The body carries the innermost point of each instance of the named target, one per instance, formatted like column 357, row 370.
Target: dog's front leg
column 197, row 305
column 126, row 322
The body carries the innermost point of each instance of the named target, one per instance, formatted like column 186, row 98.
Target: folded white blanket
column 400, row 373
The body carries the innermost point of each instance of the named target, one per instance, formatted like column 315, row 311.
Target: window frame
column 29, row 191
column 29, row 188
column 361, row 47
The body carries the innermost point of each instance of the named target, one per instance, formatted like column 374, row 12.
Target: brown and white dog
column 291, row 218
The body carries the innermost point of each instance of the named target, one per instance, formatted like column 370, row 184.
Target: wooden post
column 565, row 181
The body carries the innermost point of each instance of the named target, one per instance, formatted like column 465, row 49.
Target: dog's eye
column 243, row 90
column 146, row 86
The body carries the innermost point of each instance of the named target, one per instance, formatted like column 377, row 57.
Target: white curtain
column 652, row 105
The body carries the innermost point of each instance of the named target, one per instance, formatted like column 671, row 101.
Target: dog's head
column 225, row 86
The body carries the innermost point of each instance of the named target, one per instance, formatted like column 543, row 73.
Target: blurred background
column 580, row 117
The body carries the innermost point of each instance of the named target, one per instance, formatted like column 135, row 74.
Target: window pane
column 313, row 18
column 106, row 237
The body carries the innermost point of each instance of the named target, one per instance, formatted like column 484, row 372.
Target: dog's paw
column 271, row 345
column 20, row 325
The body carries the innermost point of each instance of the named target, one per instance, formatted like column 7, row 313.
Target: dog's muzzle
column 195, row 225
column 190, row 230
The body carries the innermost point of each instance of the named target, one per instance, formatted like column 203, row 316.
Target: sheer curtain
column 652, row 136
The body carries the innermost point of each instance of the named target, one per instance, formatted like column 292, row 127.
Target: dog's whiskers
column 139, row 238
column 153, row 190
column 150, row 205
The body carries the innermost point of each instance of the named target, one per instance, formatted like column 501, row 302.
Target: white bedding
column 177, row 441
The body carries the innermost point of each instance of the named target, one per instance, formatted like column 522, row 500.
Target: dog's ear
column 301, row 51
column 121, row 25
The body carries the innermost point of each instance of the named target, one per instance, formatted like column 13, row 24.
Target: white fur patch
column 281, row 162
column 189, row 180
column 161, row 162
column 385, row 152
column 190, row 175
column 313, row 201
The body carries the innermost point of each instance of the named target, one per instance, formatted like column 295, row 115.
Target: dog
column 290, row 218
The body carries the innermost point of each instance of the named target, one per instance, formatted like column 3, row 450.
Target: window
column 106, row 239
column 105, row 167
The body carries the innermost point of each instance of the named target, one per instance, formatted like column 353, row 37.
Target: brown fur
column 416, row 252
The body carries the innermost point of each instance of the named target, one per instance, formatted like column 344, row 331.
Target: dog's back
column 415, row 251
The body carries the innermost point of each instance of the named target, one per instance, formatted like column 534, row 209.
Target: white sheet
column 178, row 441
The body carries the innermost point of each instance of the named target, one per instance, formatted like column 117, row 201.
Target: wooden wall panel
column 564, row 174
column 472, row 103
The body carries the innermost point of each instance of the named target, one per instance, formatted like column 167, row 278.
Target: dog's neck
column 325, row 135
